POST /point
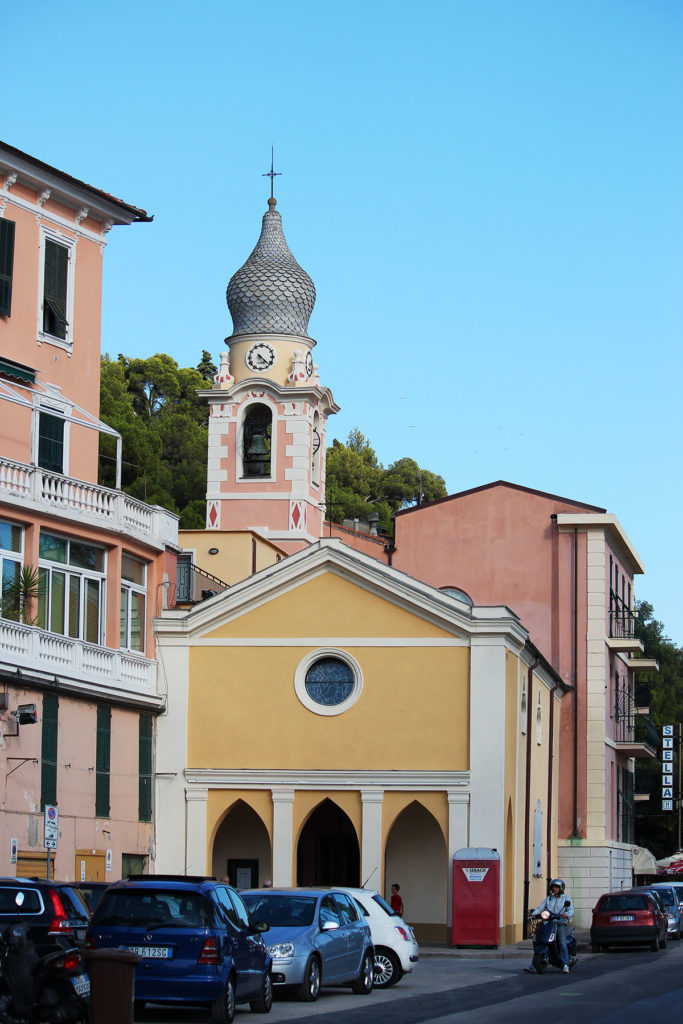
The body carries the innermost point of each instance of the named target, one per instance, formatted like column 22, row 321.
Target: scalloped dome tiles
column 271, row 293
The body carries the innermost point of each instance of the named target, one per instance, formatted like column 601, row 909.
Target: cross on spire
column 271, row 173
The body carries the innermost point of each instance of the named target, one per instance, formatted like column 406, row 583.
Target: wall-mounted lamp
column 213, row 551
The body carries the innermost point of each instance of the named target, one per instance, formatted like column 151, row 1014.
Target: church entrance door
column 328, row 851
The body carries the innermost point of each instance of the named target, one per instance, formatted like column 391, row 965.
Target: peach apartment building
column 80, row 686
column 567, row 569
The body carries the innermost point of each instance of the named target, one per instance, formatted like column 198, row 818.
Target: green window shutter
column 6, row 265
column 51, row 442
column 145, row 769
column 102, row 761
column 48, row 754
column 54, row 289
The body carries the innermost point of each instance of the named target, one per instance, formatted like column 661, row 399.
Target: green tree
column 207, row 368
column 357, row 483
column 163, row 424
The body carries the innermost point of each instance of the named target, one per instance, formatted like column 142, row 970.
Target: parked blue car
column 316, row 937
column 196, row 941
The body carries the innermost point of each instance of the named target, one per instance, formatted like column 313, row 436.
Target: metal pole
column 48, row 864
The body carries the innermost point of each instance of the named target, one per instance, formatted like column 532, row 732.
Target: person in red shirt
column 396, row 901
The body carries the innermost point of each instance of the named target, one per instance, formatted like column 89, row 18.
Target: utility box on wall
column 476, row 897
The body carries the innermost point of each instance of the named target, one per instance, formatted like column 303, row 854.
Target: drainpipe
column 549, row 831
column 527, row 793
column 389, row 549
column 575, row 833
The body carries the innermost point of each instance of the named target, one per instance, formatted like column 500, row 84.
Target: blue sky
column 486, row 194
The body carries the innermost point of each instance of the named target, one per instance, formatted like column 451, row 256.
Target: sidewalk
column 516, row 950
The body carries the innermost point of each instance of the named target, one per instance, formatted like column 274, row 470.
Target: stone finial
column 223, row 379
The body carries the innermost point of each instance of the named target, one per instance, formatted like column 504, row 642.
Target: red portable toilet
column 476, row 897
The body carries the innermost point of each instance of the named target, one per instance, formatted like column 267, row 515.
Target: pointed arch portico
column 372, row 801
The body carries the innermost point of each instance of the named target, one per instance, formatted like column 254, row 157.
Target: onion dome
column 271, row 293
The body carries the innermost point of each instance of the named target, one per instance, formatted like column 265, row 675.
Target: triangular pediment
column 329, row 588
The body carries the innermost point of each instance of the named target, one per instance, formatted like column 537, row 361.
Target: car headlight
column 281, row 950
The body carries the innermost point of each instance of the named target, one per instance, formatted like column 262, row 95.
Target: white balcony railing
column 93, row 669
column 30, row 486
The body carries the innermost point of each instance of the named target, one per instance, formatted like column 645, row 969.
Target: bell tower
column 267, row 410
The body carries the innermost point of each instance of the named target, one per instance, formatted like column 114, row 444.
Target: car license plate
column 151, row 952
column 623, row 917
column 81, row 983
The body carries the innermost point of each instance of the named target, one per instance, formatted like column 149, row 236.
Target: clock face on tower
column 260, row 356
column 309, row 364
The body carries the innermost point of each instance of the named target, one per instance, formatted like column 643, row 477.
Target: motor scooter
column 35, row 989
column 545, row 943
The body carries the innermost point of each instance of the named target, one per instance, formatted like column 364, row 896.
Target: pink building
column 78, row 656
column 566, row 569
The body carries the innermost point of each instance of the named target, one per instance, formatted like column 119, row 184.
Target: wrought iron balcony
column 630, row 728
column 193, row 584
column 622, row 619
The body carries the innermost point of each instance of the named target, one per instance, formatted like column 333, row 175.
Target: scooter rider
column 557, row 902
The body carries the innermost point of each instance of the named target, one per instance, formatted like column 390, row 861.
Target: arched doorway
column 328, row 852
column 241, row 849
column 417, row 858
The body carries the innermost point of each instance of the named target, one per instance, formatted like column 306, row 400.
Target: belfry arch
column 328, row 852
column 241, row 848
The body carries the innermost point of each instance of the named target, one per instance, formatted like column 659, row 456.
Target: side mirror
column 261, row 926
column 329, row 926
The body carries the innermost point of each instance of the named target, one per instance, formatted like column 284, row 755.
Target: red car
column 628, row 918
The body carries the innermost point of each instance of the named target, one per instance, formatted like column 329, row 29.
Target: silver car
column 672, row 907
column 316, row 937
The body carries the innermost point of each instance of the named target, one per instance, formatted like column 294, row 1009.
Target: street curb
column 515, row 951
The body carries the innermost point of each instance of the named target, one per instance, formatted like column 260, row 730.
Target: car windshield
column 667, row 897
column 74, row 902
column 384, row 905
column 281, row 911
column 151, row 908
column 627, row 901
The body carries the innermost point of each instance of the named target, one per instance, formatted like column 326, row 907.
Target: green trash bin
column 112, row 985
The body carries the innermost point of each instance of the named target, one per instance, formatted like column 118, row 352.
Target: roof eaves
column 135, row 213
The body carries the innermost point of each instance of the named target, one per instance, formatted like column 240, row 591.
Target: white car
column 396, row 948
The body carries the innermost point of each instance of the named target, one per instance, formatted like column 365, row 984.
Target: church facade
column 329, row 718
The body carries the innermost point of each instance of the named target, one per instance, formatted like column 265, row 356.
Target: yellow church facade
column 331, row 720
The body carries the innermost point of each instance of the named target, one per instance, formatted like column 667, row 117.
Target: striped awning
column 16, row 371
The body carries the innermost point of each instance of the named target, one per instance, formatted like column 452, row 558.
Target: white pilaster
column 283, row 800
column 487, row 743
column 195, row 831
column 371, row 842
column 458, row 836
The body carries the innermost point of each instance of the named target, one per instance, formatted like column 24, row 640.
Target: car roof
column 160, row 882
column 294, row 890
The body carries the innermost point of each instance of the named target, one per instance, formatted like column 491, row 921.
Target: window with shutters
column 102, row 761
column 145, row 768
column 51, row 442
column 6, row 265
column 48, row 751
column 56, row 289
